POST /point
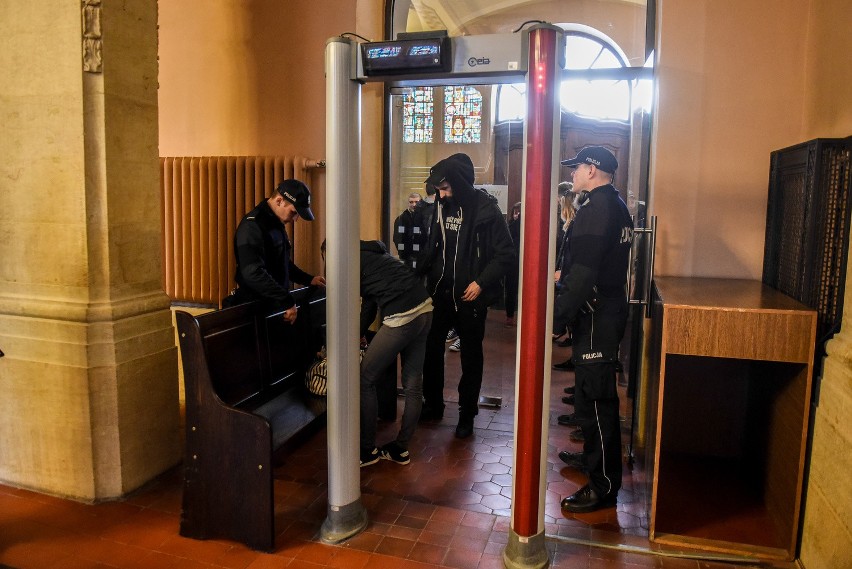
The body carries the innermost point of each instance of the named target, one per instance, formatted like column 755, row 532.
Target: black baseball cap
column 598, row 156
column 298, row 194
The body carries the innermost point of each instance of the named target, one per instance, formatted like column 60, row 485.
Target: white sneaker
column 456, row 346
column 452, row 335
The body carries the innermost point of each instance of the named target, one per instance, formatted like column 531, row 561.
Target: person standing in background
column 408, row 234
column 512, row 276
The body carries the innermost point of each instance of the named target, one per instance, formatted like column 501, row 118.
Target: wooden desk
column 732, row 361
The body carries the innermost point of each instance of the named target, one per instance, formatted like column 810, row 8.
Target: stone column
column 827, row 522
column 88, row 387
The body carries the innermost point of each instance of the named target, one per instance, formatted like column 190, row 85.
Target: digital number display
column 423, row 50
column 407, row 56
column 384, row 51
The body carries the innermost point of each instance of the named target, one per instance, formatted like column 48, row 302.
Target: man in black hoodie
column 468, row 252
column 387, row 284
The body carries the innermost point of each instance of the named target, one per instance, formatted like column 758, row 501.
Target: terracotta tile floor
column 448, row 508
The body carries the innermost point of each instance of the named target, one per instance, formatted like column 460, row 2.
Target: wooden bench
column 244, row 373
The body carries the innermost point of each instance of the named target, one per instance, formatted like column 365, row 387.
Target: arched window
column 595, row 98
column 417, row 111
column 462, row 115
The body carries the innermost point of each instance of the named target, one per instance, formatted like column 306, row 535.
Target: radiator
column 203, row 201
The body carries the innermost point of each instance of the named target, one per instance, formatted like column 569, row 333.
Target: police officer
column 594, row 302
column 265, row 270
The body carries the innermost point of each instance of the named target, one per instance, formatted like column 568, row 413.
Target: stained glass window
column 462, row 115
column 417, row 111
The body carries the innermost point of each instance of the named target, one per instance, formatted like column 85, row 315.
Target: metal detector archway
column 537, row 54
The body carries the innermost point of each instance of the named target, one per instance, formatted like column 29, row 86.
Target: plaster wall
column 731, row 89
column 249, row 79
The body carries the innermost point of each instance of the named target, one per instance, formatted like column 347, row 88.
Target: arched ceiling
column 622, row 20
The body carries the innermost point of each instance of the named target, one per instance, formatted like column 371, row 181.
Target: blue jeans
column 408, row 341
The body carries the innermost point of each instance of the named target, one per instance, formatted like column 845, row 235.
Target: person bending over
column 389, row 286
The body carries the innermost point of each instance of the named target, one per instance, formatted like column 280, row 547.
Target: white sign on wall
column 499, row 191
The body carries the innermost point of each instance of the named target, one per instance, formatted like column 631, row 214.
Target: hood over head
column 457, row 170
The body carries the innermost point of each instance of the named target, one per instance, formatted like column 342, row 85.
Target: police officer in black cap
column 594, row 302
column 265, row 269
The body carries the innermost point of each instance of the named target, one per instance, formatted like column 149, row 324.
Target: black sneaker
column 569, row 400
column 392, row 451
column 569, row 390
column 369, row 457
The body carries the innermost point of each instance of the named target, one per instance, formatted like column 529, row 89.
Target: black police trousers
column 596, row 337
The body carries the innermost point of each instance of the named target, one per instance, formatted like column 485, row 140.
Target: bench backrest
column 252, row 356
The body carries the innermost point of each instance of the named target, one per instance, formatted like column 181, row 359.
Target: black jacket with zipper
column 265, row 270
column 386, row 284
column 485, row 251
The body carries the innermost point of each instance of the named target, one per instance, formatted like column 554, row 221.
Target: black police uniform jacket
column 484, row 254
column 599, row 250
column 386, row 283
column 264, row 267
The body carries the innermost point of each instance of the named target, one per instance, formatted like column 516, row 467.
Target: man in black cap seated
column 594, row 302
column 468, row 252
column 265, row 269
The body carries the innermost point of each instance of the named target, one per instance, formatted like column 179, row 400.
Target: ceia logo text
column 474, row 61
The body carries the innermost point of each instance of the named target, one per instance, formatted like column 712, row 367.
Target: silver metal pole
column 346, row 515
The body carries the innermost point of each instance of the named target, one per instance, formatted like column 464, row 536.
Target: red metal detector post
column 526, row 539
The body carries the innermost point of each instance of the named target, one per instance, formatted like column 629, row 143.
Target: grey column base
column 343, row 522
column 530, row 553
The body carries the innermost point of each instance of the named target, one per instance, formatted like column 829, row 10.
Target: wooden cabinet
column 731, row 367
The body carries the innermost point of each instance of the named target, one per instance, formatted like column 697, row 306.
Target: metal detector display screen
column 406, row 56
